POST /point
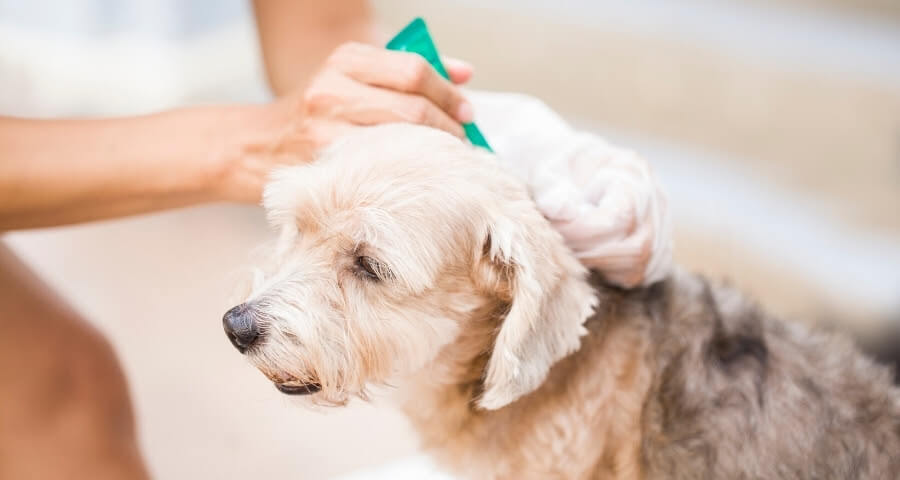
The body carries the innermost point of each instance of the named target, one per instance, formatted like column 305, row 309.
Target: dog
column 410, row 262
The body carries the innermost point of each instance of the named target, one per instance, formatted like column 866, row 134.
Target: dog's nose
column 241, row 327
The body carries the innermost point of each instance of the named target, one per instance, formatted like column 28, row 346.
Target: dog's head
column 388, row 245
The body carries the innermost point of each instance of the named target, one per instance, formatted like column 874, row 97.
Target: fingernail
column 464, row 114
column 456, row 63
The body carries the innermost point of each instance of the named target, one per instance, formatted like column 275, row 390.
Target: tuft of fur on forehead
column 394, row 182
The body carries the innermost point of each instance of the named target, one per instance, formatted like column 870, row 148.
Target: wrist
column 251, row 141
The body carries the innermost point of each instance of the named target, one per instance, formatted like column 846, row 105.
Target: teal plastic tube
column 415, row 38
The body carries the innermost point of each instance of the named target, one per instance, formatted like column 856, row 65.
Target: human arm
column 295, row 37
column 55, row 172
column 65, row 171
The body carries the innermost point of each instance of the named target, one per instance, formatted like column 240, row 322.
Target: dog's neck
column 452, row 381
column 440, row 401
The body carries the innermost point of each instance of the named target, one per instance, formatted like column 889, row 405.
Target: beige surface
column 884, row 9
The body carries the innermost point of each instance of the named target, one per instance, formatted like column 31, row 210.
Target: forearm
column 297, row 35
column 64, row 171
column 56, row 172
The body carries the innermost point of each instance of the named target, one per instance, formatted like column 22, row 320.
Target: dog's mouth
column 297, row 388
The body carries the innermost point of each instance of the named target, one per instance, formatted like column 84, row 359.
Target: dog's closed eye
column 372, row 269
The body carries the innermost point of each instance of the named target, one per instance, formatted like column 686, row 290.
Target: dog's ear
column 549, row 301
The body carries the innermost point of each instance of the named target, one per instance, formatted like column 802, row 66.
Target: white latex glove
column 603, row 200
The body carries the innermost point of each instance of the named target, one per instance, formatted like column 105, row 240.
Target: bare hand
column 358, row 85
column 364, row 85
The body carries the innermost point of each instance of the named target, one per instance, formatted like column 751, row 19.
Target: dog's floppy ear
column 549, row 303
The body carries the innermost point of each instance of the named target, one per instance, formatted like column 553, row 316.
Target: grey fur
column 741, row 395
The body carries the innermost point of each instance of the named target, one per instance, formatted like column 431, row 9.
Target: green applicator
column 415, row 38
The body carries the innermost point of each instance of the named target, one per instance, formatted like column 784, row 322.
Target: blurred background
column 774, row 125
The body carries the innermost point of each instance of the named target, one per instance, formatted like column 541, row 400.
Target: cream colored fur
column 454, row 233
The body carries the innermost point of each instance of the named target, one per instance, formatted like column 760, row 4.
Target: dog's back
column 738, row 394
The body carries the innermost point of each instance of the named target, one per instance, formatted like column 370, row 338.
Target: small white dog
column 388, row 246
column 408, row 258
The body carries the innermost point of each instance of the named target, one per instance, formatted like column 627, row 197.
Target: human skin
column 55, row 172
column 66, row 410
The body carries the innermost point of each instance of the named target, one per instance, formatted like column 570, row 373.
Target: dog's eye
column 369, row 267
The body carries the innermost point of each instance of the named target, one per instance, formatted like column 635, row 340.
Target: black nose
column 241, row 327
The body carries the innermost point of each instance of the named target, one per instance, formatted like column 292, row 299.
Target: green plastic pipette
column 415, row 38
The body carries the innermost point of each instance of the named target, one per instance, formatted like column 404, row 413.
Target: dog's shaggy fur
column 409, row 259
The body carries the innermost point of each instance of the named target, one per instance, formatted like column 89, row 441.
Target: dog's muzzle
column 243, row 331
column 241, row 327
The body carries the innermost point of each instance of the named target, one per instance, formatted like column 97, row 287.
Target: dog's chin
column 297, row 388
column 290, row 385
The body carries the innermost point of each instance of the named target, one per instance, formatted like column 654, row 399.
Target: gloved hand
column 603, row 200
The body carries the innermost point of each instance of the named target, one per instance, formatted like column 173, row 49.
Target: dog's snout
column 241, row 327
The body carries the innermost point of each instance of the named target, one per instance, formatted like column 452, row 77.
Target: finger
column 402, row 71
column 460, row 71
column 372, row 105
column 593, row 226
column 626, row 279
column 613, row 217
column 560, row 202
column 619, row 270
column 630, row 254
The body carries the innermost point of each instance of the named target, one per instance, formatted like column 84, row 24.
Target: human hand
column 364, row 85
column 358, row 85
column 603, row 200
column 609, row 209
